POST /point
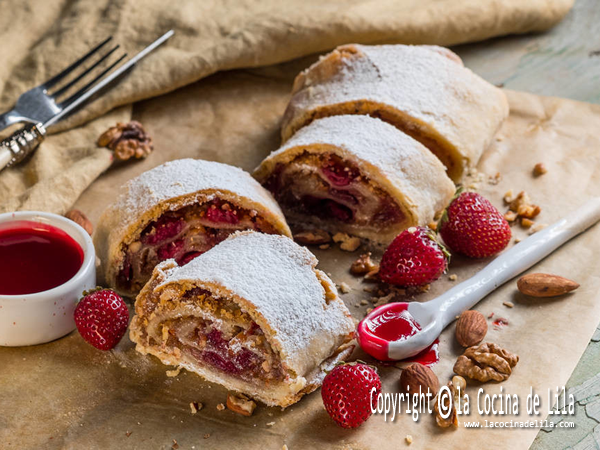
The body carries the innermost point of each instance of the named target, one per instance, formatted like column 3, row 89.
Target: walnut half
column 127, row 140
column 486, row 362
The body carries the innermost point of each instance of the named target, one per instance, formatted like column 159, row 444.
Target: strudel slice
column 358, row 175
column 424, row 91
column 252, row 314
column 179, row 210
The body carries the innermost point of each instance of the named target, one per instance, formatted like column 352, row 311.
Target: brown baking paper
column 66, row 394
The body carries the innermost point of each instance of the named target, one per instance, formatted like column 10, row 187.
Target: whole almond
column 80, row 219
column 417, row 375
column 545, row 285
column 471, row 328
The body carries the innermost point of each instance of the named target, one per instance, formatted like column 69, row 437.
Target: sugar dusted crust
column 170, row 187
column 268, row 280
column 390, row 159
column 424, row 91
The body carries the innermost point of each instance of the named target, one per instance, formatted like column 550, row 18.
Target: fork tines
column 62, row 90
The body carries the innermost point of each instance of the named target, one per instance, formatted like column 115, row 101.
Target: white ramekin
column 31, row 319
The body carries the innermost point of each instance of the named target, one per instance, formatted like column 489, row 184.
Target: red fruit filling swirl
column 236, row 347
column 329, row 188
column 183, row 235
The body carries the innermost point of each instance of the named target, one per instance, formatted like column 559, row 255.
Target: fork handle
column 10, row 118
column 20, row 144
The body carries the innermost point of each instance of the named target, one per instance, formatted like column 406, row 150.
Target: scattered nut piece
column 517, row 240
column 344, row 288
column 373, row 275
column 363, row 265
column 510, row 216
column 526, row 223
column 312, row 237
column 419, row 377
column 324, row 246
column 508, row 304
column 220, row 407
column 457, row 387
column 127, row 140
column 508, row 196
column 175, row 445
column 432, row 225
column 408, row 439
column 240, row 404
column 486, row 362
column 351, row 244
column 545, row 285
column 80, row 219
column 364, row 302
column 195, row 407
column 471, row 328
column 539, row 169
column 270, row 424
column 128, row 433
column 453, row 277
column 206, row 436
column 284, row 447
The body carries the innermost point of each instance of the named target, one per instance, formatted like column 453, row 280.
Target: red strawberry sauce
column 36, row 257
column 393, row 323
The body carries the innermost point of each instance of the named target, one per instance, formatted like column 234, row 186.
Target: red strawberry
column 101, row 318
column 472, row 226
column 414, row 258
column 347, row 393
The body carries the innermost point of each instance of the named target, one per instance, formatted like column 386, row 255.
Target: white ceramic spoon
column 435, row 315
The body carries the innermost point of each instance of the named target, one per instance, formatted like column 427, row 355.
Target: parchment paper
column 66, row 394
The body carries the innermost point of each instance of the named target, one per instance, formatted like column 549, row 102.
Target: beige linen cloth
column 39, row 38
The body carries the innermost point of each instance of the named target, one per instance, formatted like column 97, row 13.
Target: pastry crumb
column 408, row 439
column 324, row 246
column 344, row 288
column 128, row 433
column 453, row 277
column 539, row 169
column 347, row 243
column 173, row 373
column 270, row 424
column 517, row 240
column 364, row 302
column 285, row 447
column 220, row 406
column 206, row 436
column 312, row 237
column 495, row 179
column 175, row 445
column 508, row 304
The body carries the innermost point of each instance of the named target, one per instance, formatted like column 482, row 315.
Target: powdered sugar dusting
column 424, row 82
column 183, row 177
column 405, row 163
column 278, row 277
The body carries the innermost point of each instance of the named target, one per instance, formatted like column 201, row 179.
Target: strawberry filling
column 183, row 235
column 329, row 188
column 236, row 346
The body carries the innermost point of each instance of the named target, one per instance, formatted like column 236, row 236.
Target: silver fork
column 38, row 105
column 41, row 109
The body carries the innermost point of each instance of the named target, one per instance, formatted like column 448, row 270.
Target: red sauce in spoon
column 36, row 257
column 393, row 322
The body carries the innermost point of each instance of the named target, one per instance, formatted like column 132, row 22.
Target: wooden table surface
column 563, row 62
